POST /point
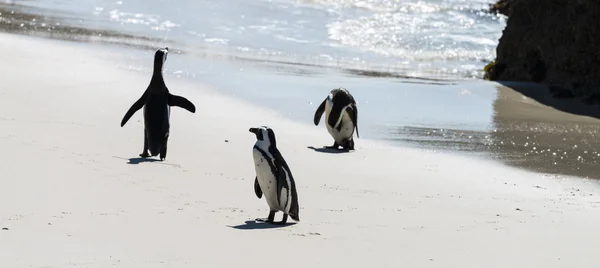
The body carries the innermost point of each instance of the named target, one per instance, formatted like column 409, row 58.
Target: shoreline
column 477, row 148
column 73, row 197
column 462, row 140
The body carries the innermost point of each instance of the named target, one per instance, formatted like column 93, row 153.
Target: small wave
column 419, row 6
column 439, row 34
column 376, row 5
column 219, row 41
column 143, row 19
column 289, row 38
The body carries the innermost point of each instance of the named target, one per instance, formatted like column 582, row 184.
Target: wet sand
column 529, row 129
column 537, row 132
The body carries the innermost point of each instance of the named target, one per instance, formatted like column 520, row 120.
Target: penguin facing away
column 157, row 102
column 273, row 177
column 341, row 118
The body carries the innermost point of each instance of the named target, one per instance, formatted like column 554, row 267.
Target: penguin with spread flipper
column 157, row 102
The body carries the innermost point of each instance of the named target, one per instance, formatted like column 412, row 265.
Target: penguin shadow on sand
column 258, row 225
column 137, row 160
column 341, row 119
column 328, row 150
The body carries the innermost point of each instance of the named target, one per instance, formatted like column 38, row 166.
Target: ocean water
column 414, row 66
column 451, row 39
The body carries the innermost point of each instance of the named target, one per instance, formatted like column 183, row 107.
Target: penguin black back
column 341, row 117
column 156, row 102
column 342, row 99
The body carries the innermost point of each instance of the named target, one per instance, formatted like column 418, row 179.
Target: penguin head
column 264, row 135
column 160, row 56
column 338, row 93
column 340, row 96
column 334, row 94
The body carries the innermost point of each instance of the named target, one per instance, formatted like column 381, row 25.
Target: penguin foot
column 163, row 154
column 348, row 145
column 263, row 220
column 272, row 217
column 144, row 155
column 163, row 151
column 269, row 219
column 334, row 146
column 283, row 221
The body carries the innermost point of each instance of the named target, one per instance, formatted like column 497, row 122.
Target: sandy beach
column 75, row 194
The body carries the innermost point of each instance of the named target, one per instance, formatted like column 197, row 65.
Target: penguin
column 273, row 177
column 157, row 102
column 341, row 118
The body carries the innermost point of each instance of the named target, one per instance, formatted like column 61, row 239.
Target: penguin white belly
column 266, row 180
column 347, row 126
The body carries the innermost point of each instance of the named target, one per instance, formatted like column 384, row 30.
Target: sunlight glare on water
column 451, row 39
column 454, row 36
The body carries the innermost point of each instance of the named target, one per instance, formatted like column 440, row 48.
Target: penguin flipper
column 353, row 111
column 294, row 208
column 134, row 108
column 280, row 181
column 319, row 113
column 257, row 189
column 182, row 102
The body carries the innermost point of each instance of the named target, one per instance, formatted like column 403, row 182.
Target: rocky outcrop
column 501, row 7
column 554, row 42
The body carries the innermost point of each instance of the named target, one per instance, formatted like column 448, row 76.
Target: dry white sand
column 69, row 197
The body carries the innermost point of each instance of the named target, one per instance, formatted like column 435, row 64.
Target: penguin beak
column 253, row 130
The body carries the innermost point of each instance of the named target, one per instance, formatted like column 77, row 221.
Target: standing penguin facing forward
column 273, row 177
column 341, row 117
column 157, row 102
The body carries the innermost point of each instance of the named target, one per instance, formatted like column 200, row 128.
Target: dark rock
column 592, row 99
column 560, row 92
column 494, row 70
column 501, row 7
column 553, row 42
